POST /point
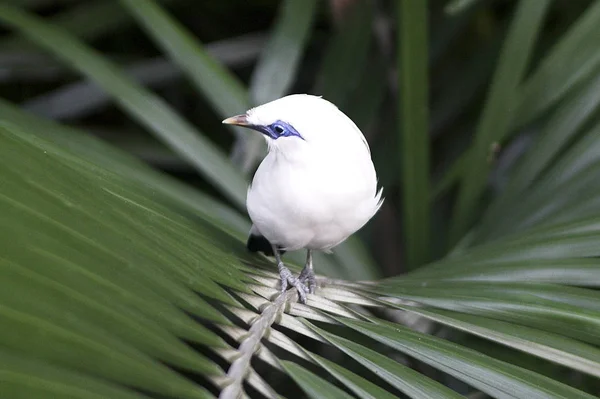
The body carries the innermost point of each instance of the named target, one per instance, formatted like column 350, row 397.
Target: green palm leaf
column 119, row 281
column 116, row 304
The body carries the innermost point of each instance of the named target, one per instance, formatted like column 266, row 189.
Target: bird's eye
column 279, row 129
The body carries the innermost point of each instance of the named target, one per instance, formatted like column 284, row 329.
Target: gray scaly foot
column 307, row 277
column 287, row 278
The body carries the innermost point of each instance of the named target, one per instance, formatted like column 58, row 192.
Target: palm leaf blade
column 414, row 137
column 144, row 106
column 496, row 115
column 494, row 377
column 405, row 379
column 315, row 387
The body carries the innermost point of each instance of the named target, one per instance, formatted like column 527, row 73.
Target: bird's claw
column 287, row 279
column 307, row 277
column 301, row 288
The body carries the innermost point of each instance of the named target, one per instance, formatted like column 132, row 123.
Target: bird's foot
column 287, row 279
column 307, row 277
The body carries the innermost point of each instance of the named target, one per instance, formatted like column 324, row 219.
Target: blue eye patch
column 278, row 129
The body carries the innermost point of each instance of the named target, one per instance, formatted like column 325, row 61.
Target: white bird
column 316, row 186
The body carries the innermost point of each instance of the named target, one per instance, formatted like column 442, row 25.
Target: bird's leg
column 287, row 277
column 307, row 276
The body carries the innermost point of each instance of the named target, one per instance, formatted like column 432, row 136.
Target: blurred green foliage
column 122, row 199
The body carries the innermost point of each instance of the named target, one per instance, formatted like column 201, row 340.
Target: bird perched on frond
column 316, row 186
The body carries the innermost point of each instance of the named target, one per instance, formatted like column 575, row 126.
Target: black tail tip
column 260, row 244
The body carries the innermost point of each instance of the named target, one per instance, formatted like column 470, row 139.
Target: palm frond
column 119, row 281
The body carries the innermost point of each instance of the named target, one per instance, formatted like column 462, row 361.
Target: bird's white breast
column 313, row 199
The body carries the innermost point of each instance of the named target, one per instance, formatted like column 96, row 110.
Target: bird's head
column 300, row 121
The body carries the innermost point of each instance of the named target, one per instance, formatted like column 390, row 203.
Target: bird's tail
column 258, row 243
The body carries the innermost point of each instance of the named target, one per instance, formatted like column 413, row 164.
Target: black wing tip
column 257, row 243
